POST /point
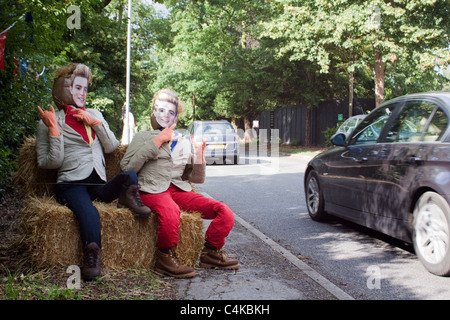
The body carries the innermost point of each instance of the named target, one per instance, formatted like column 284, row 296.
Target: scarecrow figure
column 73, row 140
column 165, row 165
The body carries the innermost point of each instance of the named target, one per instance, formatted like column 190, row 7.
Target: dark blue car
column 392, row 174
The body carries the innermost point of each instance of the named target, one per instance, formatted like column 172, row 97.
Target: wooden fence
column 291, row 121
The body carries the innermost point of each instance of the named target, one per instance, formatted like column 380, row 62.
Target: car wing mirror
column 338, row 139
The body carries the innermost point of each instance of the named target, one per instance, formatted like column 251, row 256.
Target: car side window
column 437, row 126
column 418, row 121
column 370, row 127
column 411, row 122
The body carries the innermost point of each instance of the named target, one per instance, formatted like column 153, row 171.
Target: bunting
column 3, row 36
column 2, row 48
column 21, row 65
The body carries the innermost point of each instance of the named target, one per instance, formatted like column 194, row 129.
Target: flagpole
column 7, row 29
column 128, row 73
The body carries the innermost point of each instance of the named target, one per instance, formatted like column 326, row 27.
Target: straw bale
column 47, row 229
column 51, row 236
column 29, row 178
column 112, row 161
column 190, row 238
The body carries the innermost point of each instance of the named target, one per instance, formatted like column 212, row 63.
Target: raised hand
column 199, row 151
column 164, row 136
column 49, row 119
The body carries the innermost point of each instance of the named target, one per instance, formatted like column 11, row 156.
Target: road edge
column 310, row 272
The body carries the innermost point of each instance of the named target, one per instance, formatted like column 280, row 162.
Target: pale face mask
column 165, row 113
column 79, row 91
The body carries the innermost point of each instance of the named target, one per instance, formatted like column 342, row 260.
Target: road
column 267, row 192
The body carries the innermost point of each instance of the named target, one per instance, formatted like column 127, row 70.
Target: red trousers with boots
column 167, row 206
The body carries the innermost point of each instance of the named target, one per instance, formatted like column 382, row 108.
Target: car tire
column 431, row 233
column 314, row 197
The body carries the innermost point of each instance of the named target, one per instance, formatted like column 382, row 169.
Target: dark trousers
column 78, row 197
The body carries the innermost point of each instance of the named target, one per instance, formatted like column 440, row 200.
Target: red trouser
column 167, row 205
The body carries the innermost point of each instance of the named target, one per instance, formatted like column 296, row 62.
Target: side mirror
column 338, row 139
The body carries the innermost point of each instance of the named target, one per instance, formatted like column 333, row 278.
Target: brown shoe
column 92, row 257
column 217, row 258
column 131, row 199
column 167, row 264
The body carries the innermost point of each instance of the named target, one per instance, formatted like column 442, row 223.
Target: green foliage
column 329, row 132
column 236, row 58
column 407, row 35
column 34, row 286
column 29, row 48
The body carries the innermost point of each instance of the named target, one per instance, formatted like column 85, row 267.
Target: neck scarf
column 80, row 127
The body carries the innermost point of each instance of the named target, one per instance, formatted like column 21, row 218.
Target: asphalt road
column 267, row 192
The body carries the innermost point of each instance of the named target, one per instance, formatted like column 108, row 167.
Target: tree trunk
column 350, row 95
column 379, row 72
column 308, row 127
column 248, row 130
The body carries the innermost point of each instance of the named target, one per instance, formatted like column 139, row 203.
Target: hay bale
column 47, row 230
column 51, row 236
column 29, row 178
column 50, row 231
column 112, row 161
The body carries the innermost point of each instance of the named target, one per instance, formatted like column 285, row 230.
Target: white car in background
column 350, row 124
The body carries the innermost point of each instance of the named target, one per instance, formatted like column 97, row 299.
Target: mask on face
column 164, row 114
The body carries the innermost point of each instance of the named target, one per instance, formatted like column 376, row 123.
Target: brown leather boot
column 167, row 264
column 217, row 258
column 92, row 266
column 131, row 199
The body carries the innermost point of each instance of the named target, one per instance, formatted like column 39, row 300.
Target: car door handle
column 413, row 160
column 361, row 160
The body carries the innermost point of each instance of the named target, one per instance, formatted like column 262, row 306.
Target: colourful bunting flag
column 2, row 49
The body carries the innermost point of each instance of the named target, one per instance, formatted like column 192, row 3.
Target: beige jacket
column 70, row 154
column 157, row 167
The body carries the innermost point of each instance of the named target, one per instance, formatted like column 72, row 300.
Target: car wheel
column 431, row 233
column 314, row 197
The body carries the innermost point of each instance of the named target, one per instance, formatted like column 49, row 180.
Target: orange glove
column 164, row 136
column 49, row 119
column 86, row 117
column 199, row 151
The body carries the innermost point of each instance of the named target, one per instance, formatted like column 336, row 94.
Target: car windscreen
column 213, row 128
column 370, row 127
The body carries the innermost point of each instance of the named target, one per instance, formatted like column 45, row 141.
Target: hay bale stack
column 50, row 232
column 51, row 236
column 29, row 178
column 112, row 161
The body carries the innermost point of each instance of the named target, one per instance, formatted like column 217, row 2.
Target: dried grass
column 29, row 178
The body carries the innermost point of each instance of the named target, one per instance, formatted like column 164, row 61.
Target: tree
column 370, row 34
column 30, row 45
column 40, row 41
column 216, row 53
